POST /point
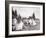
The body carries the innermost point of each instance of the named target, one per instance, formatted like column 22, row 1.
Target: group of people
column 18, row 24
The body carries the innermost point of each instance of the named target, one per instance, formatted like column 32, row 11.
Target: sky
column 27, row 11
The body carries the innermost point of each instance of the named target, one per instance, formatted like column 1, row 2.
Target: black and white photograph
column 25, row 18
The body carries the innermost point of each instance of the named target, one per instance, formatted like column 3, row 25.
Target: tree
column 15, row 13
column 34, row 16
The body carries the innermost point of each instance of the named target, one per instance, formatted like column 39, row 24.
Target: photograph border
column 7, row 18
